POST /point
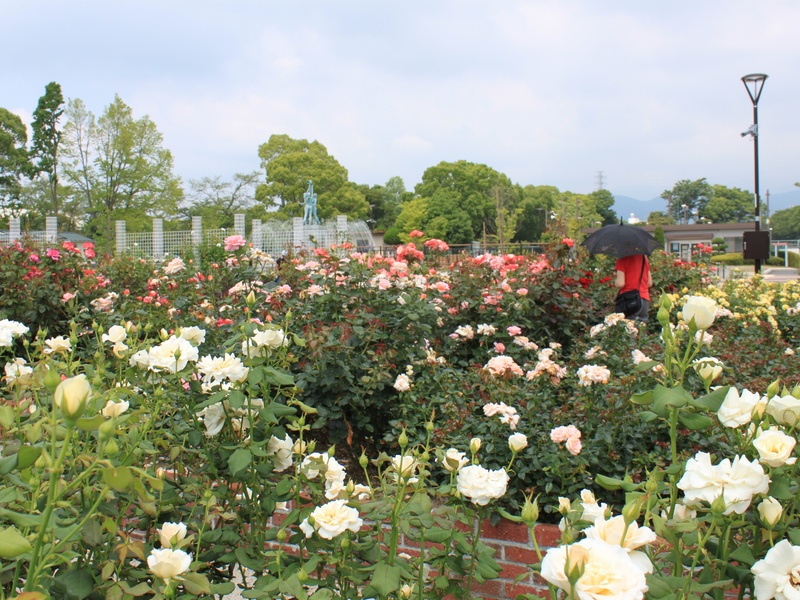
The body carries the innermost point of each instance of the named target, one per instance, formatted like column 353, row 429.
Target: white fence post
column 158, row 239
column 239, row 224
column 197, row 235
column 13, row 229
column 297, row 232
column 257, row 234
column 51, row 229
column 122, row 237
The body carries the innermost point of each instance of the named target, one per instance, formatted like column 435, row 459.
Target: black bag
column 628, row 303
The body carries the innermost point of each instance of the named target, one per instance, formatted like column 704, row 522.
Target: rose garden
column 348, row 425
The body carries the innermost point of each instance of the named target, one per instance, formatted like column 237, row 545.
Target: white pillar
column 239, row 224
column 257, row 234
column 297, row 232
column 158, row 239
column 51, row 229
column 13, row 229
column 122, row 237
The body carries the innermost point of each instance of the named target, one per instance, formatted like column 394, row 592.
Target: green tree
column 478, row 188
column 786, row 224
column 14, row 161
column 45, row 141
column 603, row 201
column 347, row 200
column 385, row 202
column 533, row 212
column 217, row 200
column 693, row 195
column 118, row 166
column 290, row 164
column 658, row 217
column 729, row 205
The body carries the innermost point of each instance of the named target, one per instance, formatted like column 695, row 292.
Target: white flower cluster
column 170, row 356
column 546, row 366
column 215, row 416
column 168, row 562
column 10, row 330
column 607, row 562
column 502, row 365
column 508, row 414
column 734, row 482
column 222, row 371
column 588, row 375
column 264, row 342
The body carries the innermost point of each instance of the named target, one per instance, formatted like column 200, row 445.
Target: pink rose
column 574, row 446
column 513, row 331
column 522, row 291
column 53, row 254
column 234, row 242
column 33, row 257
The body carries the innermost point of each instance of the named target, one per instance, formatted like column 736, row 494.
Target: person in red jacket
column 633, row 272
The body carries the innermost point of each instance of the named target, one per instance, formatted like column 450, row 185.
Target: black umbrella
column 620, row 240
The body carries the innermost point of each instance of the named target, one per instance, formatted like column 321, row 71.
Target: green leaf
column 611, row 483
column 276, row 377
column 6, row 417
column 12, row 543
column 8, row 464
column 90, row 424
column 647, row 416
column 713, row 400
column 136, row 590
column 664, row 397
column 28, row 455
column 385, row 579
column 694, row 421
column 77, row 584
column 196, row 583
column 781, row 488
column 255, row 376
column 239, row 460
column 21, row 519
column 744, row 555
column 643, row 398
column 119, row 479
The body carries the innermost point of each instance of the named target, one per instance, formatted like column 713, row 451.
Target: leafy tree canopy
column 290, row 164
column 729, row 205
column 45, row 141
column 14, row 161
column 786, row 224
column 478, row 189
column 217, row 200
column 658, row 217
column 694, row 195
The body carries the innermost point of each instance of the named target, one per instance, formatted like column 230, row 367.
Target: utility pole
column 500, row 237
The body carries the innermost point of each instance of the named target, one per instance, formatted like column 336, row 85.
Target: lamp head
column 754, row 83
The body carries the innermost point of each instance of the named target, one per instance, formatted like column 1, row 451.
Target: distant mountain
column 624, row 206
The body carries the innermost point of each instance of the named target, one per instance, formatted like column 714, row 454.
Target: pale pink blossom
column 513, row 330
column 234, row 242
column 501, row 365
column 574, row 446
column 522, row 291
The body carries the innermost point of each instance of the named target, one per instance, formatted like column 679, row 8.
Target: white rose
column 776, row 573
column 784, row 409
column 282, row 449
column 737, row 410
column 171, row 533
column 333, row 519
column 608, row 571
column 454, row 460
column 775, row 447
column 708, row 368
column 115, row 409
column 405, row 466
column 72, row 395
column 57, row 344
column 213, row 418
column 402, row 383
column 612, row 531
column 115, row 334
column 701, row 309
column 517, row 442
column 736, row 482
column 168, row 563
column 482, row 485
column 770, row 511
column 193, row 335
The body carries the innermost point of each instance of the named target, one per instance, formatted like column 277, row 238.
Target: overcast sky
column 549, row 93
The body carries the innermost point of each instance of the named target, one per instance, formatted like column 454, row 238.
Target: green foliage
column 14, row 162
column 728, row 205
column 719, row 244
column 46, row 139
column 217, row 201
column 786, row 224
column 694, row 195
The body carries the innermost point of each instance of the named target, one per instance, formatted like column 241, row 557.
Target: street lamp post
column 685, row 208
column 754, row 83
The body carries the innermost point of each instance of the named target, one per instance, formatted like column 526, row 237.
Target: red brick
column 505, row 530
column 511, row 571
column 519, row 554
column 513, row 590
column 547, row 536
column 491, row 589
